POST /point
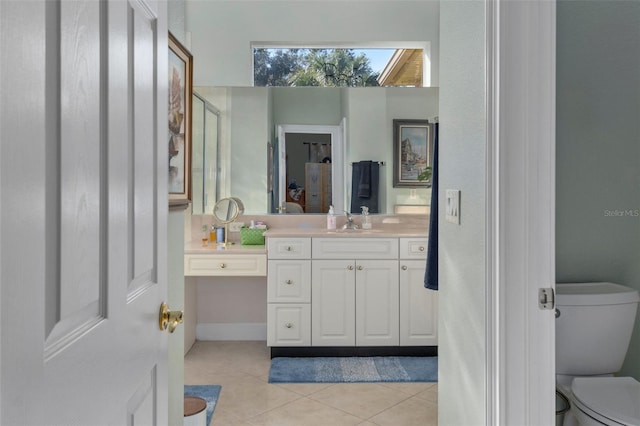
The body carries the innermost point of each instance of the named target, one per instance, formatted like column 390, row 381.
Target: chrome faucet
column 350, row 224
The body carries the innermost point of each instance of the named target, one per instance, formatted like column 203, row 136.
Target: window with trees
column 329, row 67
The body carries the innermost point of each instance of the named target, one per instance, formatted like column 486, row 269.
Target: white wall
column 176, row 17
column 222, row 31
column 598, row 147
column 461, row 334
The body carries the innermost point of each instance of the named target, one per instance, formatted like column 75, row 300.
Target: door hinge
column 546, row 298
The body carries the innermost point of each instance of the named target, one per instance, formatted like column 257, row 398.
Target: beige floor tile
column 247, row 357
column 410, row 388
column 251, row 396
column 430, row 395
column 305, row 389
column 247, row 399
column 363, row 400
column 411, row 412
column 305, row 412
column 225, row 418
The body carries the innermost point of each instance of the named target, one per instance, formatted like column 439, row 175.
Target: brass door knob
column 169, row 319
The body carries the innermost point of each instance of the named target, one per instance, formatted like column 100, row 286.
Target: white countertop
column 385, row 232
column 195, row 247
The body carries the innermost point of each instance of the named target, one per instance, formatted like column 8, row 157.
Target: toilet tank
column 593, row 327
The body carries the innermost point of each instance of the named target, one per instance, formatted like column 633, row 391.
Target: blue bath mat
column 209, row 393
column 353, row 369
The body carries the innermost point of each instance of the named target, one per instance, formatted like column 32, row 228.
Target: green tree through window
column 312, row 67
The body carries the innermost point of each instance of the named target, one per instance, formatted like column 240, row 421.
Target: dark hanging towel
column 431, row 274
column 365, row 182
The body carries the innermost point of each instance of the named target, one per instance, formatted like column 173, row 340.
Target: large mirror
column 264, row 166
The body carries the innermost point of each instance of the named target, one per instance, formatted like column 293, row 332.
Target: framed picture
column 180, row 97
column 412, row 153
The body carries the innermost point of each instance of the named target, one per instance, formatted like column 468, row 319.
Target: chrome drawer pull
column 421, row 248
column 289, row 282
column 288, row 325
column 222, row 266
column 359, row 268
column 404, row 267
column 288, row 248
column 350, row 267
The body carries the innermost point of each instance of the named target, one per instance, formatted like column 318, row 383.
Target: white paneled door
column 83, row 212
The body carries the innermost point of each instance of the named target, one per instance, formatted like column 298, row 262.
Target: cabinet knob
column 289, row 282
column 421, row 248
column 404, row 267
column 288, row 325
column 222, row 266
column 288, row 248
column 359, row 268
column 350, row 267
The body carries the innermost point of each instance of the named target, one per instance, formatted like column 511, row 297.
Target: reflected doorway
column 310, row 168
column 308, row 172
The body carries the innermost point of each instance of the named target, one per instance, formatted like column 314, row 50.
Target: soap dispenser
column 366, row 220
column 331, row 219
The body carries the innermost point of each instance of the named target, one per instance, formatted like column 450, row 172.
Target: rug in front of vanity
column 353, row 369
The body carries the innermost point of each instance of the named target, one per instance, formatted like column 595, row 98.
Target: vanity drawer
column 289, row 281
column 289, row 248
column 413, row 248
column 355, row 248
column 229, row 265
column 288, row 324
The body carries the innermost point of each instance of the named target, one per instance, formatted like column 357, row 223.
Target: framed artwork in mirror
column 412, row 153
column 180, row 95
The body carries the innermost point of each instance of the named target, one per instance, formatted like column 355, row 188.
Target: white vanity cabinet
column 355, row 292
column 418, row 306
column 349, row 291
column 289, row 292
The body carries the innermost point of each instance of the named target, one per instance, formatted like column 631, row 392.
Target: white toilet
column 594, row 322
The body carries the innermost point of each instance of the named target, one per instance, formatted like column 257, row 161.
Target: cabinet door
column 377, row 305
column 418, row 306
column 333, row 303
column 288, row 324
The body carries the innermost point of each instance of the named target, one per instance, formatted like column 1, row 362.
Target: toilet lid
column 615, row 398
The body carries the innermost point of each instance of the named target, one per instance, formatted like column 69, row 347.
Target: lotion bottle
column 205, row 236
column 331, row 219
column 366, row 220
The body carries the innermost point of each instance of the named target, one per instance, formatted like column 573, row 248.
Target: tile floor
column 242, row 369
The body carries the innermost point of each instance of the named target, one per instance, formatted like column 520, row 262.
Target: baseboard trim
column 231, row 331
